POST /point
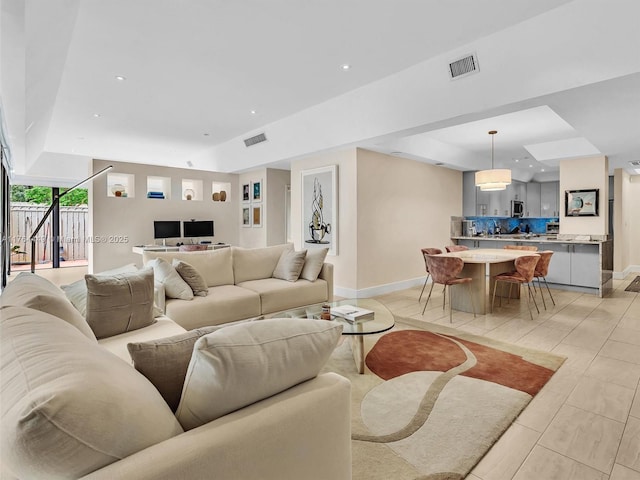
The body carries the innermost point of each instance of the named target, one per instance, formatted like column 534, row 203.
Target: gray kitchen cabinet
column 585, row 265
column 532, row 202
column 549, row 199
column 560, row 264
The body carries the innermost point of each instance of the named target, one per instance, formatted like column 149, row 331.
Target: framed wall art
column 246, row 216
column 256, row 217
column 256, row 191
column 582, row 203
column 320, row 208
column 246, row 192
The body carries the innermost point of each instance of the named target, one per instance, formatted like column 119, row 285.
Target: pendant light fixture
column 494, row 179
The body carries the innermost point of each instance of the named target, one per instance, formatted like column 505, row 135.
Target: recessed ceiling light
column 542, row 170
column 517, row 160
column 96, row 115
column 253, row 112
column 120, row 78
column 346, row 66
column 530, row 166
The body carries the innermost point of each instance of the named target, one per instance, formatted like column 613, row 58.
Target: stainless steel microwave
column 517, row 208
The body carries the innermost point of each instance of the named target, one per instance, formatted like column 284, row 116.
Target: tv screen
column 202, row 228
column 166, row 229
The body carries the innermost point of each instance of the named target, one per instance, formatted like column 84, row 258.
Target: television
column 200, row 228
column 166, row 229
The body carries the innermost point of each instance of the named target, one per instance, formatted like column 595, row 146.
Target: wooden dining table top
column 488, row 255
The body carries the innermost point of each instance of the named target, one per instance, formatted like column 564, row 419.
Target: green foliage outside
column 42, row 195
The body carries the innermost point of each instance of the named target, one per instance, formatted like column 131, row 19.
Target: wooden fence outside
column 74, row 236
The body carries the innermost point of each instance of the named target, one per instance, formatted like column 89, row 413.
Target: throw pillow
column 174, row 285
column 193, row 278
column 119, row 303
column 32, row 291
column 70, row 407
column 313, row 264
column 77, row 291
column 165, row 361
column 241, row 364
column 290, row 265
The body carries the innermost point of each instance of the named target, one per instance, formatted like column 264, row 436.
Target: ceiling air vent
column 464, row 66
column 635, row 163
column 261, row 137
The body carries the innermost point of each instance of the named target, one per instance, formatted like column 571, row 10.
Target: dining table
column 478, row 263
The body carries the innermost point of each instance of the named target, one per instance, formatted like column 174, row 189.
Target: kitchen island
column 577, row 263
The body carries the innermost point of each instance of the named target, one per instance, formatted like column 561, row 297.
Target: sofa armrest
column 326, row 274
column 303, row 432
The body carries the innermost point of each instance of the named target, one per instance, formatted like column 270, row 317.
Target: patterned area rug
column 435, row 399
column 634, row 286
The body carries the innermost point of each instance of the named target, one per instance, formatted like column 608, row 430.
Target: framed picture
column 256, row 188
column 256, row 216
column 246, row 192
column 582, row 203
column 320, row 208
column 246, row 216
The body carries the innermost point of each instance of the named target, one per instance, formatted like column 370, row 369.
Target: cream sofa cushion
column 240, row 364
column 214, row 265
column 191, row 275
column 30, row 290
column 313, row 263
column 277, row 295
column 174, row 285
column 256, row 263
column 290, row 265
column 119, row 303
column 68, row 406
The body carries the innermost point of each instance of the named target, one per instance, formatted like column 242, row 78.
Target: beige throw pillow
column 193, row 278
column 241, row 364
column 174, row 285
column 313, row 263
column 119, row 303
column 32, row 291
column 290, row 265
column 164, row 361
column 70, row 407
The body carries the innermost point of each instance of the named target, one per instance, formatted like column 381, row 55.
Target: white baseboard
column 630, row 269
column 378, row 289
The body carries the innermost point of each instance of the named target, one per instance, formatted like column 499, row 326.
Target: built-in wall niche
column 159, row 187
column 191, row 189
column 120, row 185
column 220, row 192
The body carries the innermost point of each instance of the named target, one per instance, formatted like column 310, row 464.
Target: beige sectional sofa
column 75, row 407
column 241, row 285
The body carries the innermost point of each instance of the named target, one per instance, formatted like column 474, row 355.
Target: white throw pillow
column 290, row 265
column 313, row 263
column 242, row 364
column 70, row 407
column 174, row 285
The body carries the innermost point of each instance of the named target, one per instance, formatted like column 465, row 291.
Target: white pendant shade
column 494, row 179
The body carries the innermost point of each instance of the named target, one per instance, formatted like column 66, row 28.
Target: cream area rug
column 434, row 400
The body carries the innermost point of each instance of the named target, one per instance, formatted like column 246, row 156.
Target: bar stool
column 445, row 270
column 542, row 268
column 456, row 248
column 425, row 252
column 523, row 274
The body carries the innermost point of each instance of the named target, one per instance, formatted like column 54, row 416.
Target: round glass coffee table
column 381, row 321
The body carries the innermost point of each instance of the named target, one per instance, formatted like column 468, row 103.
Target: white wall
column 626, row 223
column 121, row 223
column 582, row 174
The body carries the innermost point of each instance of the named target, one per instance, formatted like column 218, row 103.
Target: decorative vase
column 118, row 193
column 188, row 194
column 216, row 197
column 118, row 189
column 223, row 196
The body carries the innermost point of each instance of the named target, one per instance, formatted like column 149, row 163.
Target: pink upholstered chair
column 531, row 248
column 523, row 274
column 425, row 252
column 456, row 248
column 542, row 268
column 445, row 270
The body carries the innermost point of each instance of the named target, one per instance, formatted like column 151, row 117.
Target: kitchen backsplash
column 509, row 225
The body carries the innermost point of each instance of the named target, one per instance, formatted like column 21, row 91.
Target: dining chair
column 542, row 268
column 531, row 248
column 523, row 274
column 456, row 248
column 425, row 252
column 445, row 270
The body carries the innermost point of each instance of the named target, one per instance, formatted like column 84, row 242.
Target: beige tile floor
column 585, row 423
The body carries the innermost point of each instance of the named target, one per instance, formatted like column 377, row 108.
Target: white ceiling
column 556, row 77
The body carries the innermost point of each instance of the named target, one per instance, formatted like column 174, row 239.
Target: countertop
column 532, row 238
